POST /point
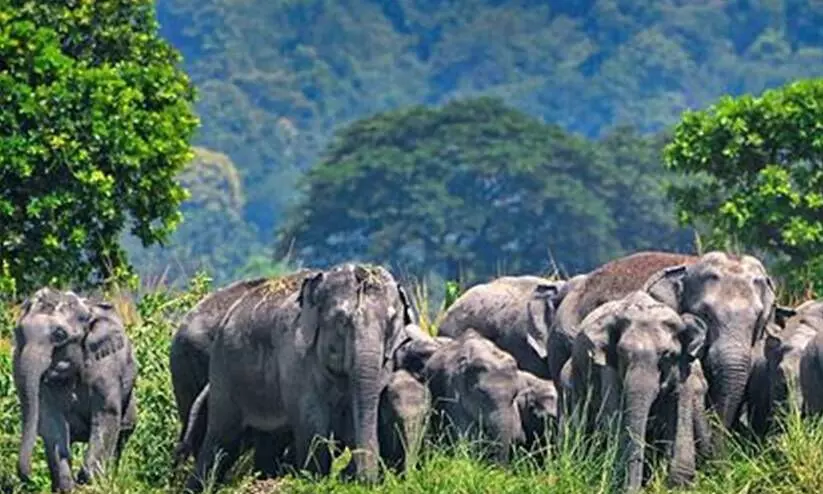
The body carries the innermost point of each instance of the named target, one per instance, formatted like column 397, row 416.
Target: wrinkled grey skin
column 779, row 369
column 537, row 404
column 404, row 405
column 611, row 281
column 634, row 356
column 74, row 371
column 734, row 297
column 313, row 361
column 514, row 312
column 811, row 376
column 474, row 387
column 189, row 356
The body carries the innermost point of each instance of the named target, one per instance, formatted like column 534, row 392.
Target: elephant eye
column 59, row 334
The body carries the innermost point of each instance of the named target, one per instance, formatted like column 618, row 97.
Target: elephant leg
column 270, row 450
column 103, row 439
column 127, row 425
column 222, row 445
column 54, row 428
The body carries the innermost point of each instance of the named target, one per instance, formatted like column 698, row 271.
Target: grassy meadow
column 791, row 462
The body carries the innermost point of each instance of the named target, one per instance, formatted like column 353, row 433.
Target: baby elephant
column 637, row 356
column 477, row 388
column 74, row 371
column 404, row 405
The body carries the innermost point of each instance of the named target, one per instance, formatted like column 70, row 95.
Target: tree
column 473, row 185
column 95, row 124
column 755, row 169
column 213, row 235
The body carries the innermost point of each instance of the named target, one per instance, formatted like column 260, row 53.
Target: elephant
column 537, row 404
column 635, row 355
column 189, row 353
column 312, row 360
column 514, row 312
column 404, row 406
column 611, row 281
column 811, row 376
column 74, row 371
column 474, row 386
column 734, row 296
column 778, row 370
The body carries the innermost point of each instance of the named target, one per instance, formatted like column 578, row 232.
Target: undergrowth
column 790, row 462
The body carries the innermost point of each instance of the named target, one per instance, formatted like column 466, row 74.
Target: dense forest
column 276, row 80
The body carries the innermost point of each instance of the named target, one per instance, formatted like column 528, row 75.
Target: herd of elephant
column 676, row 348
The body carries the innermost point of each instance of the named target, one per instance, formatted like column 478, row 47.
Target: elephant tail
column 194, row 427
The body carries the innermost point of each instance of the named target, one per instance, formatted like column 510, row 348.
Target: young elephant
column 312, row 360
column 74, row 371
column 404, row 405
column 514, row 312
column 634, row 356
column 537, row 403
column 474, row 387
column 784, row 370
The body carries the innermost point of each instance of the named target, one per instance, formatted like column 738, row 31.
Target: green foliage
column 476, row 185
column 756, row 170
column 96, row 123
column 788, row 463
column 213, row 235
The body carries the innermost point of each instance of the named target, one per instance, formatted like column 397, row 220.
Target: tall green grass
column 789, row 462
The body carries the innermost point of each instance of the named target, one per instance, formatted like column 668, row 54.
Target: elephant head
column 351, row 320
column 784, row 351
column 637, row 350
column 537, row 403
column 735, row 298
column 474, row 387
column 48, row 347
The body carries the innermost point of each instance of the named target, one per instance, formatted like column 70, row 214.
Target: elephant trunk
column 640, row 391
column 684, row 460
column 28, row 371
column 366, row 387
column 730, row 364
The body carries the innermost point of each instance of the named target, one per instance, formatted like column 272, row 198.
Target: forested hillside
column 277, row 79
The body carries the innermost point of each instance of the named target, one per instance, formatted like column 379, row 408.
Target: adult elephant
column 514, row 312
column 611, row 281
column 74, row 371
column 734, row 296
column 313, row 360
column 635, row 355
column 189, row 352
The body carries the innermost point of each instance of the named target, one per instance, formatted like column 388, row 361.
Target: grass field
column 791, row 462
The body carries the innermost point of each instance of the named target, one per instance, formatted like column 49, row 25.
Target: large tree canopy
column 95, row 124
column 477, row 185
column 755, row 167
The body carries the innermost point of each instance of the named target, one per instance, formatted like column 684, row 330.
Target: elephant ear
column 309, row 311
column 105, row 338
column 541, row 308
column 409, row 316
column 773, row 343
column 783, row 313
column 397, row 334
column 769, row 313
column 666, row 285
column 600, row 335
column 693, row 336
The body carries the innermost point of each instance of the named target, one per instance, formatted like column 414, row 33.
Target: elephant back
column 616, row 279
